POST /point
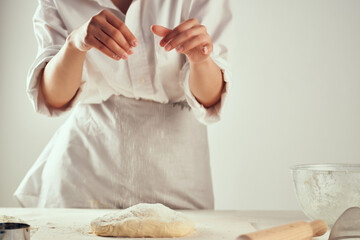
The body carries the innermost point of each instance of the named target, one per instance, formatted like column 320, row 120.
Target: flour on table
column 143, row 220
column 12, row 219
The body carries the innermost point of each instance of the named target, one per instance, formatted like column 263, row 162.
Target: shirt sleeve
column 51, row 34
column 216, row 16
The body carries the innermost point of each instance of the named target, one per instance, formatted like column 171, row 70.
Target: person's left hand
column 189, row 38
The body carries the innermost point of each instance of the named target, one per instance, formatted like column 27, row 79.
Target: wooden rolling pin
column 294, row 231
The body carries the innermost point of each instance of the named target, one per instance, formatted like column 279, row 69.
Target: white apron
column 122, row 152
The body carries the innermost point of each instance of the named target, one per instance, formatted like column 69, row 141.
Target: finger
column 160, row 30
column 110, row 44
column 184, row 36
column 102, row 48
column 182, row 27
column 118, row 24
column 197, row 41
column 117, row 36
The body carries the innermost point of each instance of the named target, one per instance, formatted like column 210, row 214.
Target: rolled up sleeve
column 51, row 34
column 216, row 16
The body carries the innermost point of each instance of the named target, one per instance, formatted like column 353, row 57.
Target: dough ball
column 143, row 220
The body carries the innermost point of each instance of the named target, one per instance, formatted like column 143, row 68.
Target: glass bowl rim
column 327, row 167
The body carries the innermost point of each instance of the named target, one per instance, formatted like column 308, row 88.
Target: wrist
column 208, row 62
column 72, row 46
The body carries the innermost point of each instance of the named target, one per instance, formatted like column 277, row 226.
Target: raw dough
column 143, row 220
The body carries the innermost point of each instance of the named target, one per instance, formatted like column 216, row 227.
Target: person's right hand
column 106, row 33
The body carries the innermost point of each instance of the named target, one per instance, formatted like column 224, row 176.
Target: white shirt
column 150, row 73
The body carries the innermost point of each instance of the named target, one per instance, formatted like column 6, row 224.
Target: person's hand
column 106, row 33
column 189, row 38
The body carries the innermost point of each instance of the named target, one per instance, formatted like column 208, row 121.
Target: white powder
column 145, row 210
column 327, row 195
column 58, row 228
column 143, row 220
column 12, row 219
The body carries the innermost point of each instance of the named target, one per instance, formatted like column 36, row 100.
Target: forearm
column 206, row 82
column 62, row 76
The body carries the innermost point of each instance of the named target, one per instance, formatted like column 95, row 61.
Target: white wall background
column 295, row 99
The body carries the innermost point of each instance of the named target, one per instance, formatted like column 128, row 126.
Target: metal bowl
column 14, row 231
column 325, row 191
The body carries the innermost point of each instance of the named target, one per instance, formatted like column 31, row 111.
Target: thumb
column 160, row 30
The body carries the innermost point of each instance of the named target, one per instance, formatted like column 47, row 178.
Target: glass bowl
column 325, row 191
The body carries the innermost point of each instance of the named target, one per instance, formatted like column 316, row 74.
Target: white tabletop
column 223, row 224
